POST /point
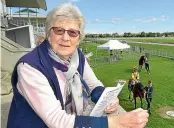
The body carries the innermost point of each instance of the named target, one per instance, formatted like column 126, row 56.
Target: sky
column 110, row 16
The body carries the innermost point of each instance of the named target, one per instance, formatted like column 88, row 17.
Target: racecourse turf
column 162, row 76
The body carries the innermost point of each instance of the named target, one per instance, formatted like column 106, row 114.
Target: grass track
column 162, row 75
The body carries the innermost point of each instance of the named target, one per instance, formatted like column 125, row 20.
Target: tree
column 143, row 34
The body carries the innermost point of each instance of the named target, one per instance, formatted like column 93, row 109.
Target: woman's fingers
column 137, row 118
column 134, row 119
column 112, row 107
column 140, row 117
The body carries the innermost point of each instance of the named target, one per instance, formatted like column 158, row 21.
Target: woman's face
column 64, row 42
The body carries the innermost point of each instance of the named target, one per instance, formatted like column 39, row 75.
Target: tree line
column 129, row 34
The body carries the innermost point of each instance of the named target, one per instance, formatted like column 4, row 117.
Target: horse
column 138, row 91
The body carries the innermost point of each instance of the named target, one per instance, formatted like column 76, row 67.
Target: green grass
column 167, row 40
column 154, row 40
column 162, row 72
column 155, row 47
column 162, row 77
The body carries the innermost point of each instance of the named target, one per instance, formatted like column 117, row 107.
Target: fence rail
column 154, row 52
column 130, row 55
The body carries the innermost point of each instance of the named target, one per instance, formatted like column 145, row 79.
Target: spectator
column 111, row 53
column 116, row 56
column 121, row 52
column 133, row 48
column 111, row 56
column 140, row 47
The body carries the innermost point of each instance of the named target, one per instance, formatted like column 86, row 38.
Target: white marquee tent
column 113, row 45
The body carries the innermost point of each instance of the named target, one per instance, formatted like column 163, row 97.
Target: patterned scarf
column 77, row 94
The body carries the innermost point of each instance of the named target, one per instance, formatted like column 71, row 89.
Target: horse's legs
column 141, row 102
column 135, row 102
column 129, row 89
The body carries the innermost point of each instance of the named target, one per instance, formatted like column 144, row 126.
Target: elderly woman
column 52, row 83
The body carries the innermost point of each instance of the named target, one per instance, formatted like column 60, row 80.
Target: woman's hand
column 112, row 107
column 134, row 119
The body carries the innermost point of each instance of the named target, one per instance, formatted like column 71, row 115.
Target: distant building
column 29, row 17
column 25, row 26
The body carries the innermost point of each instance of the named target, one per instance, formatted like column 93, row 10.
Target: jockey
column 135, row 75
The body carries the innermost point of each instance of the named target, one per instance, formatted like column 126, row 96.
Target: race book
column 108, row 96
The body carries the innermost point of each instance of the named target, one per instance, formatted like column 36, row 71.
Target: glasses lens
column 73, row 33
column 58, row 31
column 61, row 31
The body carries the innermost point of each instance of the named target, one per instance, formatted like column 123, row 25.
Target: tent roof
column 27, row 3
column 26, row 10
column 113, row 45
column 25, row 13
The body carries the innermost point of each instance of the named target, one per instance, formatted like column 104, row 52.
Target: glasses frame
column 68, row 31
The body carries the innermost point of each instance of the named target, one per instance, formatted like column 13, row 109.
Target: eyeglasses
column 61, row 31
